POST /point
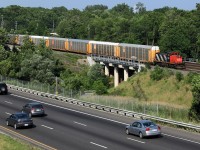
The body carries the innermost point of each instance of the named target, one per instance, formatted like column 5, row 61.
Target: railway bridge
column 121, row 70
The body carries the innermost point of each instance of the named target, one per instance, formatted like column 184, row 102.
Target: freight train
column 122, row 51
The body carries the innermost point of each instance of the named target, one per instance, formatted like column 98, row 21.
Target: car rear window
column 22, row 116
column 149, row 124
column 37, row 106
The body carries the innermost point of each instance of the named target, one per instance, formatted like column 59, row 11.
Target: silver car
column 143, row 128
column 34, row 109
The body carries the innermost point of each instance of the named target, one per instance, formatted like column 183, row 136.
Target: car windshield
column 37, row 106
column 149, row 124
column 22, row 116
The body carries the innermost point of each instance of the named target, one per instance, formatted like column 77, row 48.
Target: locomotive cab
column 175, row 58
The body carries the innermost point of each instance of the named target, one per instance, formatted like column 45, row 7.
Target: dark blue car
column 19, row 119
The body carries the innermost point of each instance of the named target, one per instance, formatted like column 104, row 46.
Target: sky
column 81, row 4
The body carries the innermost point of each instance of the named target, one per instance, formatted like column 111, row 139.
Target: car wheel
column 141, row 135
column 15, row 126
column 7, row 123
column 30, row 115
column 127, row 132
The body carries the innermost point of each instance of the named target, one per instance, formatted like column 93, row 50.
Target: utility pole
column 2, row 21
column 15, row 25
column 53, row 26
column 56, row 85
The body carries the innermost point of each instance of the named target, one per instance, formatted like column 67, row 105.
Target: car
column 19, row 119
column 143, row 128
column 34, row 109
column 3, row 88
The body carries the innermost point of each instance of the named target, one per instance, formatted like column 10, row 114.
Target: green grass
column 8, row 143
column 70, row 60
column 167, row 98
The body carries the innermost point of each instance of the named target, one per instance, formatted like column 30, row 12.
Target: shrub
column 157, row 74
column 179, row 76
column 190, row 77
column 99, row 87
column 194, row 112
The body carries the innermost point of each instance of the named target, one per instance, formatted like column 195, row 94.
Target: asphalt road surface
column 71, row 127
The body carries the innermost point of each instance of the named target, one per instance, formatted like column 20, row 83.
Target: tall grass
column 133, row 104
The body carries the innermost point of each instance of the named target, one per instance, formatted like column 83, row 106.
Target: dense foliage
column 194, row 113
column 170, row 28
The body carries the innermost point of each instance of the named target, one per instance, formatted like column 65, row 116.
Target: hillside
column 167, row 91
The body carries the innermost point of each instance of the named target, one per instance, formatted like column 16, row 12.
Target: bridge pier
column 122, row 70
column 107, row 73
column 126, row 73
column 116, row 76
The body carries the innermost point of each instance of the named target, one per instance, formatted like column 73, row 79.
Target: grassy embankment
column 166, row 98
column 8, row 143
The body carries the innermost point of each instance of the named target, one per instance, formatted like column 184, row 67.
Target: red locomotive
column 172, row 59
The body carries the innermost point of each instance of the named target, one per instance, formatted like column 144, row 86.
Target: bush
column 99, row 87
column 179, row 76
column 194, row 112
column 156, row 74
column 190, row 76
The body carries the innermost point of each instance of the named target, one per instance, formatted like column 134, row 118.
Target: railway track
column 192, row 66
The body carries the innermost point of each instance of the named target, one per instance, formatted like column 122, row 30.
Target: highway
column 71, row 127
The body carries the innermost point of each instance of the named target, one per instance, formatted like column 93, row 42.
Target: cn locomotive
column 122, row 51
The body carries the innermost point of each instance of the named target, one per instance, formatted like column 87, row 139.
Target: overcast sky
column 81, row 4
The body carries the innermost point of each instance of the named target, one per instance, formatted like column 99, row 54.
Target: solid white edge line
column 8, row 113
column 181, row 138
column 135, row 140
column 98, row 145
column 47, row 127
column 80, row 123
column 8, row 102
column 98, row 117
column 71, row 110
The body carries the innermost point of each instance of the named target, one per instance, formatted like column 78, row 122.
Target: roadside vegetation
column 159, row 92
column 8, row 143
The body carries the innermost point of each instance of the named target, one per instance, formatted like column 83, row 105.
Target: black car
column 34, row 109
column 19, row 119
column 3, row 88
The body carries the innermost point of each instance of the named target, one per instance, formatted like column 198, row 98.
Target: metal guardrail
column 105, row 108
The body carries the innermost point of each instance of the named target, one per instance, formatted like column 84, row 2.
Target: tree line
column 170, row 28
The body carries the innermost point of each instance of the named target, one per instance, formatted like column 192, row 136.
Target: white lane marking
column 80, row 123
column 8, row 102
column 47, row 127
column 181, row 138
column 97, row 116
column 8, row 113
column 98, row 145
column 71, row 110
column 135, row 140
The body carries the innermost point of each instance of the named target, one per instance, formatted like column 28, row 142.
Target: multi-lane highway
column 71, row 127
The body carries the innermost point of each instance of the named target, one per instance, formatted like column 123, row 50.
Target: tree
column 3, row 36
column 174, row 32
column 140, row 8
column 194, row 112
column 97, row 79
